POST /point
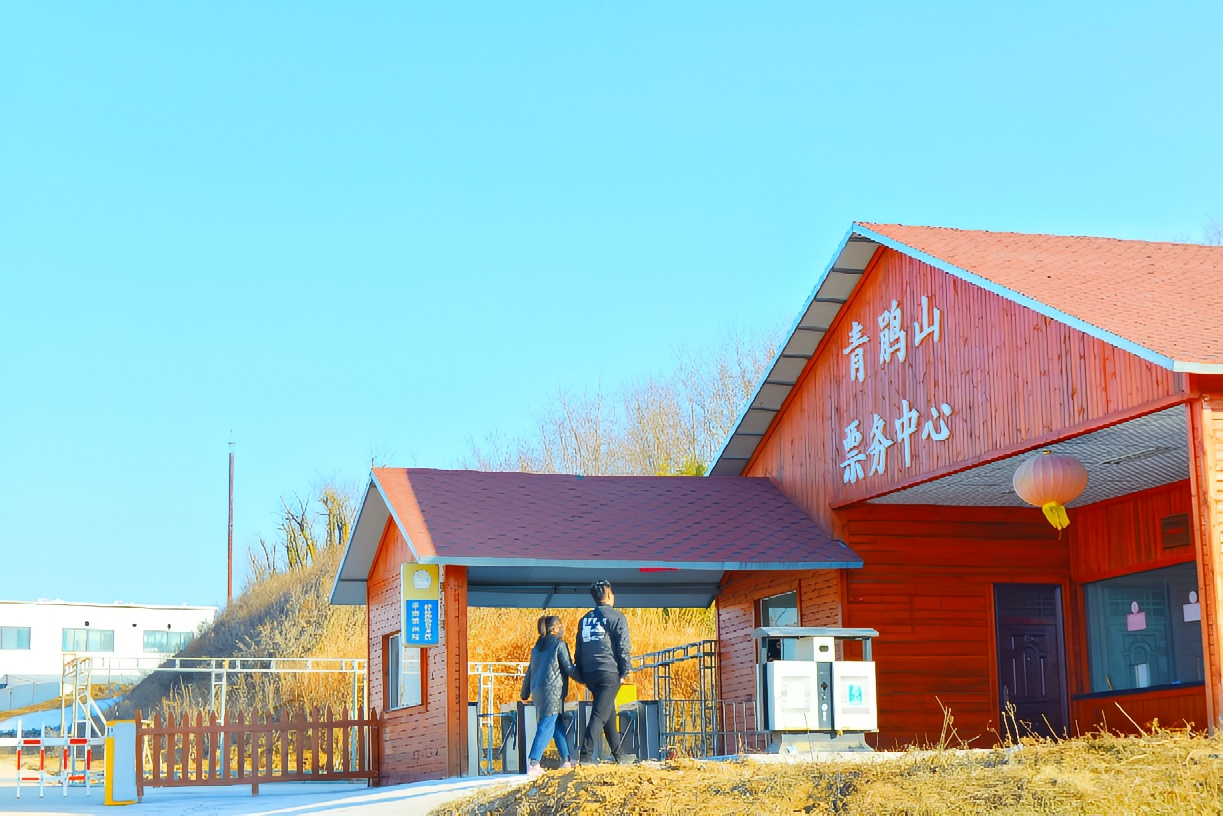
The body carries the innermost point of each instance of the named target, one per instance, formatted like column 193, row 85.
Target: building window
column 166, row 642
column 779, row 610
column 403, row 675
column 89, row 640
column 14, row 637
column 1144, row 629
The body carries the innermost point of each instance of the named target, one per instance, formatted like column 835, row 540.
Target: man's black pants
column 602, row 715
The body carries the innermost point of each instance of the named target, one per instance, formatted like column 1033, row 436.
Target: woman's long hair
column 548, row 625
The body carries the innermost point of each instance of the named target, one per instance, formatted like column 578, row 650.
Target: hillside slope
column 286, row 615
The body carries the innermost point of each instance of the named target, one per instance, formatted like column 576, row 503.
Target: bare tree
column 263, row 563
column 299, row 541
column 576, row 435
column 338, row 515
column 1214, row 233
column 659, row 425
column 299, row 537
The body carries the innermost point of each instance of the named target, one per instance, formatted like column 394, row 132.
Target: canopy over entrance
column 540, row 540
column 1146, row 452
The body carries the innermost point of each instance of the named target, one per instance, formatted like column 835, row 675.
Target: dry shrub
column 286, row 615
column 1165, row 772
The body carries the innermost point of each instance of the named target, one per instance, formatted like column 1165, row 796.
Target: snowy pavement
column 51, row 718
column 282, row 798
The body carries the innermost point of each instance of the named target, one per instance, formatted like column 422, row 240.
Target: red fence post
column 375, row 742
column 253, row 742
column 284, row 742
column 155, row 734
column 346, row 743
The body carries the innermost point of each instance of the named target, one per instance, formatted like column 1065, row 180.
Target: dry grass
column 99, row 691
column 1162, row 773
column 286, row 615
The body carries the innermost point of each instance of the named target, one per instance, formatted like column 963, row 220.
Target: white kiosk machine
column 807, row 695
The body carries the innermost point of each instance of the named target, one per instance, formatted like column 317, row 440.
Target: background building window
column 14, row 637
column 89, row 640
column 779, row 610
column 166, row 642
column 403, row 674
column 1144, row 629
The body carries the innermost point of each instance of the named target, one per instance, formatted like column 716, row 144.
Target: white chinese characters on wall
column 866, row 450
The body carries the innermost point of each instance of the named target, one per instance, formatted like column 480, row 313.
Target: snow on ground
column 49, row 718
column 279, row 798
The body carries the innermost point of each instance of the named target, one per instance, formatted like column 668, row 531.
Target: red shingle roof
column 1166, row 298
column 463, row 516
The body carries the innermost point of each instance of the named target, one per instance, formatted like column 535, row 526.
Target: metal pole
column 229, row 593
column 221, row 737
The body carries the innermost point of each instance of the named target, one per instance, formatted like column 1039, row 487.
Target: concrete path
column 282, row 798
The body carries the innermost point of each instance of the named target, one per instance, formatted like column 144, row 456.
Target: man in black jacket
column 602, row 656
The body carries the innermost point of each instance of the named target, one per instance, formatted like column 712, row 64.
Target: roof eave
column 828, row 289
column 1184, row 367
column 348, row 589
column 849, row 561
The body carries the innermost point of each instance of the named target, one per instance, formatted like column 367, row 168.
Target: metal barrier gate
column 489, row 727
column 703, row 725
column 75, row 755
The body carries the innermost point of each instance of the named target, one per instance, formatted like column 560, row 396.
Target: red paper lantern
column 1048, row 481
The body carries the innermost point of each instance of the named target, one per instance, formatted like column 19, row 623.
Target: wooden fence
column 249, row 750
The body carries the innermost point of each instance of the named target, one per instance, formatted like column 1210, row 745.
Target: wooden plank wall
column 1013, row 378
column 927, row 587
column 818, row 605
column 1124, row 535
column 382, row 607
column 1135, row 713
column 416, row 741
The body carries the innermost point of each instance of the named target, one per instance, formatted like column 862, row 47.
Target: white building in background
column 126, row 641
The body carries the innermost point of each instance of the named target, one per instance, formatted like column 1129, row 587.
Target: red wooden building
column 926, row 366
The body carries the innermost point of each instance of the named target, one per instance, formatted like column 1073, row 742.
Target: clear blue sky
column 344, row 230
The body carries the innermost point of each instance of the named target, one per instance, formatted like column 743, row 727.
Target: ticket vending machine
column 808, row 695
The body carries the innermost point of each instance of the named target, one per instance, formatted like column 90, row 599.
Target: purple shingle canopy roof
column 541, row 539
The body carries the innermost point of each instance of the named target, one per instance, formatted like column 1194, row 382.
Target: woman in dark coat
column 547, row 685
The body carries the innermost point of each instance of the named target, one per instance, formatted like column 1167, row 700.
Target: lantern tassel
column 1056, row 514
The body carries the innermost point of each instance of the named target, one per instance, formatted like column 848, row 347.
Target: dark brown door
column 1031, row 657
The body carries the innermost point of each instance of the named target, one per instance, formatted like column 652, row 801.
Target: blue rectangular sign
column 420, row 624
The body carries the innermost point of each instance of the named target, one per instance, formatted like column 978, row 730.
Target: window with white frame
column 166, row 642
column 403, row 686
column 15, row 637
column 89, row 640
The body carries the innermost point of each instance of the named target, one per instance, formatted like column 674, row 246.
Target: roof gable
column 1158, row 301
